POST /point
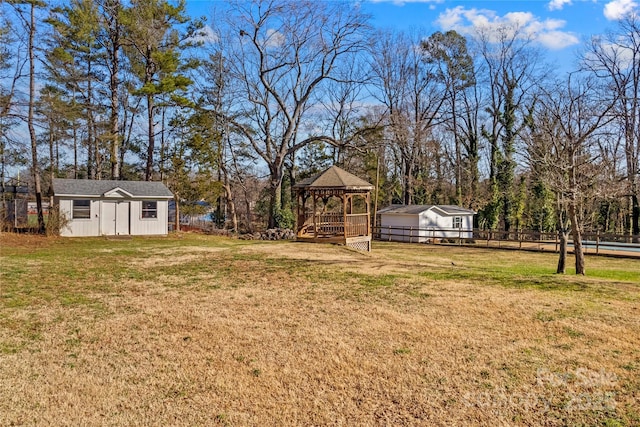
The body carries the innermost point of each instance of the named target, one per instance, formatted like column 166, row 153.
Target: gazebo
column 334, row 207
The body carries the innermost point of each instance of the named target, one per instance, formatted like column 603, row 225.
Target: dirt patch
column 347, row 259
column 25, row 241
column 175, row 256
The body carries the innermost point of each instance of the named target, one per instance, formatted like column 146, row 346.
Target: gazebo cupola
column 334, row 207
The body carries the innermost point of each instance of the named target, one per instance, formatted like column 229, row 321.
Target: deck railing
column 357, row 225
column 333, row 224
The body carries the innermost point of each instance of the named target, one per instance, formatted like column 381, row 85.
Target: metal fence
column 14, row 213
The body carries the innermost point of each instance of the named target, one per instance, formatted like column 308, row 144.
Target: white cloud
column 622, row 54
column 618, row 9
column 451, row 18
column 547, row 32
column 557, row 40
column 205, row 35
column 274, row 38
column 558, row 4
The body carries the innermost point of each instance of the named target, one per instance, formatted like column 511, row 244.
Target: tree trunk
column 115, row 137
column 52, row 162
column 113, row 87
column 152, row 138
column 635, row 218
column 92, row 142
column 177, row 219
column 275, row 191
column 32, row 132
column 51, row 151
column 562, row 258
column 247, row 203
column 75, row 152
column 408, row 178
column 231, row 205
column 475, row 179
column 458, row 150
column 163, row 146
column 98, row 155
column 275, row 200
column 576, row 233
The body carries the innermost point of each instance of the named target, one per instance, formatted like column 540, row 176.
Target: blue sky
column 558, row 26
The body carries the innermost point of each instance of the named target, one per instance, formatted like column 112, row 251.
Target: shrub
column 284, row 218
column 55, row 222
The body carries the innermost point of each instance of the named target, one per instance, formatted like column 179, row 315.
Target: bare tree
column 280, row 56
column 615, row 57
column 512, row 71
column 12, row 63
column 28, row 19
column 563, row 147
column 413, row 94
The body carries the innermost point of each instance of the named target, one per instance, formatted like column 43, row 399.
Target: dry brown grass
column 208, row 331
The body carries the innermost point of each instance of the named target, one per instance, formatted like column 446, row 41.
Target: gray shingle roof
column 418, row 209
column 454, row 210
column 335, row 178
column 406, row 209
column 97, row 188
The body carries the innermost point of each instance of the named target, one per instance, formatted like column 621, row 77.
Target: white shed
column 424, row 223
column 109, row 208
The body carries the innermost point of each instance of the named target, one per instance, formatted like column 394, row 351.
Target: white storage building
column 110, row 208
column 425, row 223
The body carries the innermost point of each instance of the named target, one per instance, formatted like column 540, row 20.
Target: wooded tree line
column 235, row 112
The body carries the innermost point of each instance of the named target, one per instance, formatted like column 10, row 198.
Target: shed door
column 115, row 218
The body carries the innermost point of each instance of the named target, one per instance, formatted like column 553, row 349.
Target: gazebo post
column 368, row 200
column 344, row 214
column 315, row 225
column 299, row 207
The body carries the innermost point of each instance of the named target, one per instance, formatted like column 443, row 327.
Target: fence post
column 597, row 241
column 411, row 234
column 519, row 234
column 540, row 240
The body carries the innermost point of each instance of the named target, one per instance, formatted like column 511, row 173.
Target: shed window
column 81, row 209
column 457, row 222
column 150, row 210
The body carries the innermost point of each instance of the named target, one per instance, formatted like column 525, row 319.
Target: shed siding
column 431, row 219
column 398, row 228
column 149, row 226
column 467, row 224
column 93, row 226
column 80, row 227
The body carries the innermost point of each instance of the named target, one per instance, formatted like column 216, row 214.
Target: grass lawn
column 196, row 330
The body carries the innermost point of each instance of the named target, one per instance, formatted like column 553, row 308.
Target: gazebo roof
column 334, row 178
